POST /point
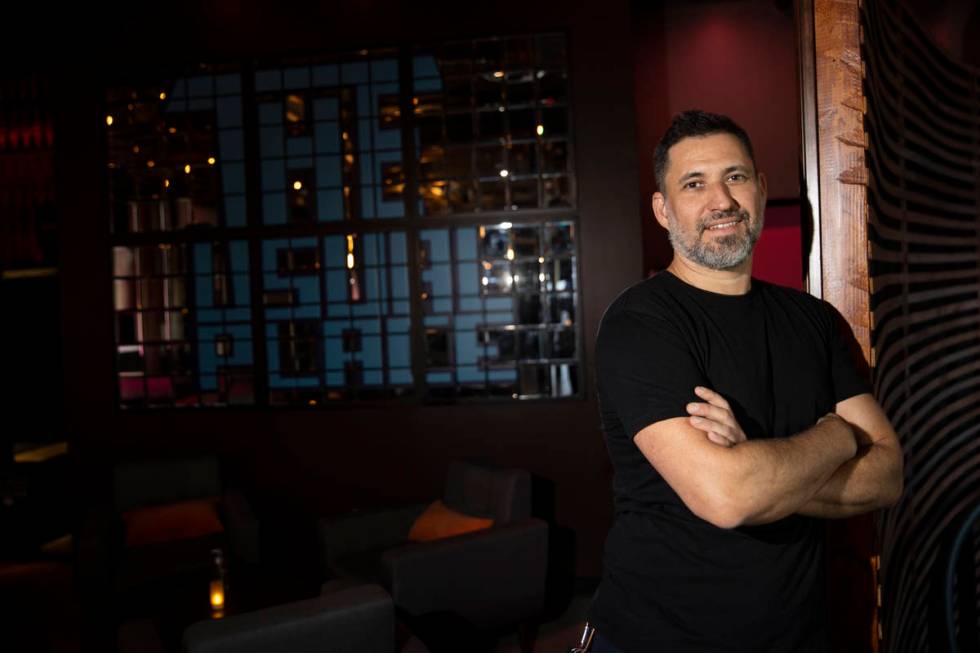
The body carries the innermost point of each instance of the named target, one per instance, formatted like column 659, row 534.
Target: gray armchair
column 165, row 517
column 356, row 619
column 490, row 578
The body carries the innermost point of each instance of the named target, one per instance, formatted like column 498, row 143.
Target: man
column 734, row 418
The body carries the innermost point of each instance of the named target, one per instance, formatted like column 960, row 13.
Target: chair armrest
column 241, row 525
column 356, row 620
column 364, row 531
column 491, row 578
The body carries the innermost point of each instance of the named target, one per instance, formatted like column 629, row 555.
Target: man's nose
column 721, row 198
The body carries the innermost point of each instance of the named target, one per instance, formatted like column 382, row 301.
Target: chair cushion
column 182, row 520
column 438, row 522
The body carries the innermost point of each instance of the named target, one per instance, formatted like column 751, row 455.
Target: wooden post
column 834, row 143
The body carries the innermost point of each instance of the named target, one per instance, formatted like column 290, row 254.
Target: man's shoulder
column 647, row 298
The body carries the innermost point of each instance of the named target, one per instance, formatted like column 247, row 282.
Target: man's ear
column 660, row 209
column 763, row 187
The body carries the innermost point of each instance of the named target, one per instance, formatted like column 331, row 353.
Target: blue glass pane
column 399, row 350
column 200, row 104
column 270, row 113
column 466, row 244
column 333, row 352
column 367, row 169
column 379, row 92
column 399, row 247
column 296, row 77
column 384, row 70
column 373, row 377
column 330, row 205
column 470, row 304
column 208, row 315
column 470, row 375
column 205, row 291
column 235, row 211
column 372, row 327
column 364, row 131
column 335, row 251
column 436, row 378
column 398, row 325
column 229, row 111
column 367, row 203
column 328, row 172
column 200, row 86
column 388, row 208
column 499, row 318
column 276, row 314
column 442, row 305
column 233, row 178
column 439, row 276
column 240, row 287
column 372, row 249
column 238, row 250
column 274, row 208
column 273, row 175
column 238, row 314
column 208, row 382
column 400, row 308
column 338, row 310
column 325, row 76
column 202, row 258
column 467, row 279
column 400, row 377
column 399, row 282
column 299, row 162
column 436, row 320
column 500, row 304
column 299, row 147
column 368, row 308
column 327, row 138
column 267, row 80
column 335, row 380
column 230, row 145
column 467, row 348
column 228, row 84
column 502, row 375
column 325, row 108
column 337, row 285
column 432, row 85
column 354, row 73
column 270, row 250
column 371, row 351
column 467, row 322
column 270, row 139
column 424, row 66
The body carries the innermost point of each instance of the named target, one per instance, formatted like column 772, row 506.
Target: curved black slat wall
column 923, row 125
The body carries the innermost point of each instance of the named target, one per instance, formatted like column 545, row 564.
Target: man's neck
column 736, row 281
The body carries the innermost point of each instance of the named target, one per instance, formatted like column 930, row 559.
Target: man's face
column 713, row 201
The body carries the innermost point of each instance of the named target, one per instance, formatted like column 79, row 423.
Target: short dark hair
column 692, row 124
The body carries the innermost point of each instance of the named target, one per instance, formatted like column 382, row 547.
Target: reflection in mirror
column 529, row 309
column 526, row 241
column 495, row 241
column 437, row 352
column 496, row 277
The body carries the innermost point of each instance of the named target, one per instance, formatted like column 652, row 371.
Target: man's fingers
column 718, row 439
column 711, row 397
column 709, row 411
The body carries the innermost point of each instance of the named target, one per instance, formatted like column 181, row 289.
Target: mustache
column 719, row 216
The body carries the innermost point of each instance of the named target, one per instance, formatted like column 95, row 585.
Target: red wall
column 737, row 58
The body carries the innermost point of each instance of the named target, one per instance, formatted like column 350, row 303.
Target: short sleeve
column 646, row 371
column 847, row 378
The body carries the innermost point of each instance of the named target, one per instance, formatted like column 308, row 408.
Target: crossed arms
column 848, row 463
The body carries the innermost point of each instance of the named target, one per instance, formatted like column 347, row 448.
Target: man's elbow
column 720, row 507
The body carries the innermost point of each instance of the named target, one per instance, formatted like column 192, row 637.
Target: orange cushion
column 438, row 522
column 182, row 520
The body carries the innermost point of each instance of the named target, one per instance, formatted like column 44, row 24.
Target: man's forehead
column 720, row 149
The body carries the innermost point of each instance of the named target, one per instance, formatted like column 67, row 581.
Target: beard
column 721, row 253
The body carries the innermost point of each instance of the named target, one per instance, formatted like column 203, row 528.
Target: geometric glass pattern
column 268, row 248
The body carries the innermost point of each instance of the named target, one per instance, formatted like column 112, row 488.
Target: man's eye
column 693, row 184
column 738, row 176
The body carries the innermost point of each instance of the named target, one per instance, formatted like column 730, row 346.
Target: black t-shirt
column 672, row 581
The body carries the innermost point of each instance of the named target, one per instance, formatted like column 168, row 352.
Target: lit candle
column 217, row 595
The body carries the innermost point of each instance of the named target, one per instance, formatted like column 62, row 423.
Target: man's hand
column 715, row 418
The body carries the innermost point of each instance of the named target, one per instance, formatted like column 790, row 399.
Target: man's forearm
column 781, row 475
column 870, row 480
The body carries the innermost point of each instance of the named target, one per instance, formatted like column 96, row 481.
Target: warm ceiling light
column 350, row 261
column 211, row 160
column 297, row 185
column 108, row 120
column 540, row 130
column 187, row 168
column 166, row 183
column 498, row 74
column 504, row 172
column 150, row 163
column 136, row 149
column 172, row 130
column 163, row 96
column 510, row 254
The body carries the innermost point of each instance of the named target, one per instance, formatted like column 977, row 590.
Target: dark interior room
column 300, row 305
